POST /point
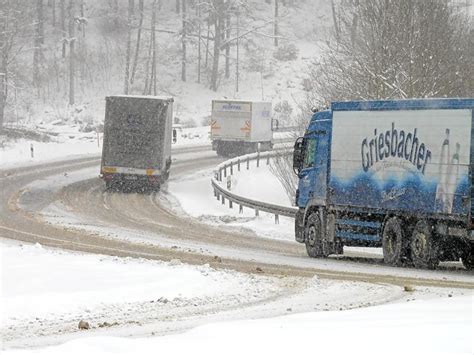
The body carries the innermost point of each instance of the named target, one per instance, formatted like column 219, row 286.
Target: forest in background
column 60, row 53
column 59, row 58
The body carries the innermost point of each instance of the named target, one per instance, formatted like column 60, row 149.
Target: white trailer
column 241, row 127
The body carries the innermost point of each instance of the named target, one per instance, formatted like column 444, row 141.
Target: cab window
column 309, row 153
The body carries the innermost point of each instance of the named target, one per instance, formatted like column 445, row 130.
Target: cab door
column 313, row 175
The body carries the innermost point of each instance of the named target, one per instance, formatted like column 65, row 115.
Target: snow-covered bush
column 286, row 52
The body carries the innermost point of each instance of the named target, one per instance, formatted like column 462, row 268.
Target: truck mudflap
column 299, row 226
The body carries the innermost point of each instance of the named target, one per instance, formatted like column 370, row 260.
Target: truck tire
column 313, row 237
column 392, row 241
column 468, row 258
column 424, row 246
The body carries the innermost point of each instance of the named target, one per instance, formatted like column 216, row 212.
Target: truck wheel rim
column 391, row 239
column 419, row 244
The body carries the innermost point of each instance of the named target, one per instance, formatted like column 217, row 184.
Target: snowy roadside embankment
column 46, row 291
column 195, row 197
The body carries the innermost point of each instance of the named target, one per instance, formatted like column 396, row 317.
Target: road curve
column 171, row 234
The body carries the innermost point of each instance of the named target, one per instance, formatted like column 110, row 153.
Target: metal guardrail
column 227, row 168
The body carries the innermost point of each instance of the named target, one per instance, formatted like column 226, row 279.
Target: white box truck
column 136, row 151
column 241, row 127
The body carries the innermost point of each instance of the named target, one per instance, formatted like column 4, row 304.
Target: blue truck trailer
column 393, row 174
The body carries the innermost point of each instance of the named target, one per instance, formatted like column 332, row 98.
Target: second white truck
column 241, row 127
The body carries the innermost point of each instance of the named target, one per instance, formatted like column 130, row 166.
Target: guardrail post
column 258, row 159
column 248, row 163
column 238, row 164
column 241, row 209
column 231, row 168
column 256, row 213
column 223, row 199
column 268, row 159
column 218, row 196
column 277, row 219
column 230, row 204
column 225, row 170
column 220, row 174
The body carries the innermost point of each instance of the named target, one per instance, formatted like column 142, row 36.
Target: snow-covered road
column 60, row 288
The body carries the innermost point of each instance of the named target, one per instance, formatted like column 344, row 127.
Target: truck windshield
column 309, row 152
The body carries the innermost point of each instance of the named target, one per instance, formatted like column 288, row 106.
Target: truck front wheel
column 313, row 237
column 423, row 246
column 392, row 241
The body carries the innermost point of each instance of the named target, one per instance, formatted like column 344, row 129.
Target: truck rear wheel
column 313, row 237
column 392, row 241
column 423, row 246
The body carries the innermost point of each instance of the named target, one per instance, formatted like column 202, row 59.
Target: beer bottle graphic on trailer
column 442, row 175
column 452, row 180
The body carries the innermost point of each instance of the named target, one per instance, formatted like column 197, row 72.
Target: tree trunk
column 217, row 44
column 38, row 41
column 334, row 18
column 153, row 48
column 63, row 26
column 3, row 65
column 237, row 55
column 72, row 41
column 199, row 43
column 53, row 10
column 3, row 98
column 39, row 9
column 227, row 46
column 83, row 24
column 275, row 25
column 207, row 38
column 183, row 41
column 150, row 71
column 129, row 47
column 141, row 5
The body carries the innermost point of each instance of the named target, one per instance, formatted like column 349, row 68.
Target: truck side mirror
column 298, row 155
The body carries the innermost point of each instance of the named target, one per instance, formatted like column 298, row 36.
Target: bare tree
column 38, row 41
column 198, row 9
column 275, row 25
column 53, row 12
column 72, row 40
column 131, row 5
column 141, row 6
column 183, row 41
column 335, row 20
column 227, row 45
column 63, row 26
column 218, row 6
column 150, row 69
column 14, row 19
column 397, row 49
column 3, row 97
